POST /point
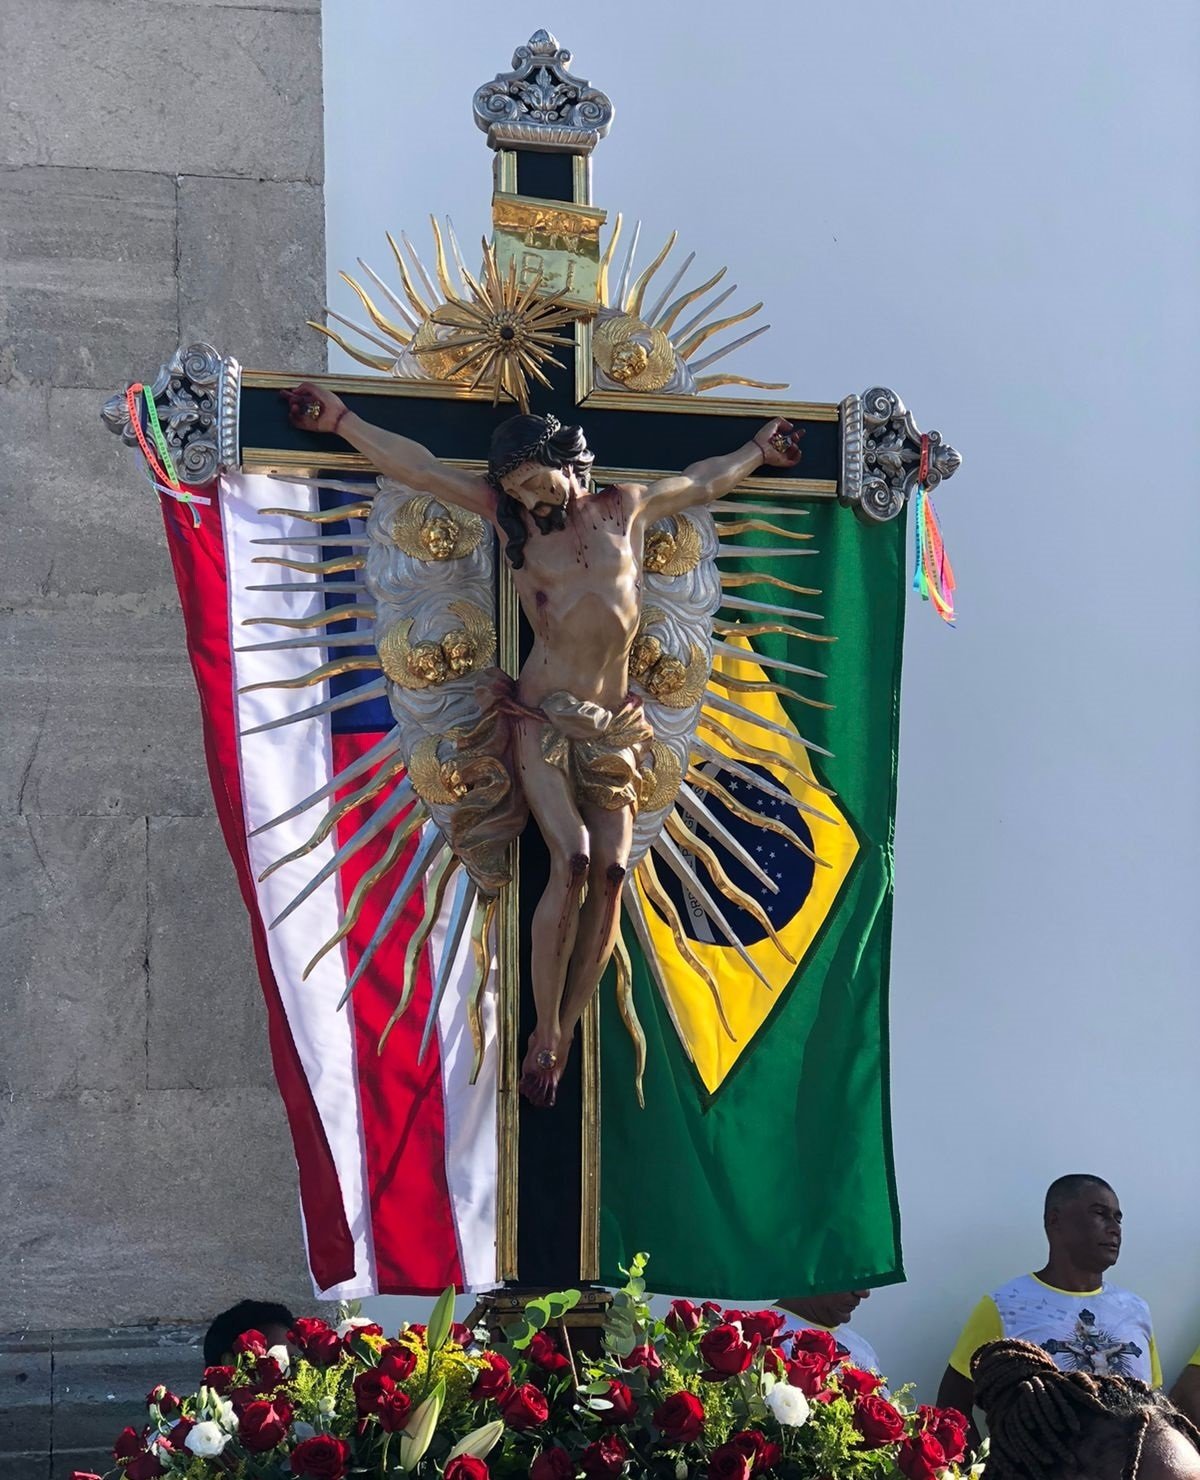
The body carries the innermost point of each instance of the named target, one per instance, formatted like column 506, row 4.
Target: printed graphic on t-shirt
column 1094, row 1350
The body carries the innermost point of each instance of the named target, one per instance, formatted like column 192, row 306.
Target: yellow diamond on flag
column 806, row 891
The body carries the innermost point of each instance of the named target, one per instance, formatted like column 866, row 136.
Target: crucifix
column 511, row 408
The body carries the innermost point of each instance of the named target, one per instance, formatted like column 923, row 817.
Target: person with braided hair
column 580, row 738
column 1046, row 1424
column 1068, row 1308
column 1186, row 1392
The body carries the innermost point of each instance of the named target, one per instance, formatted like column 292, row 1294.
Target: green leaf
column 561, row 1301
column 480, row 1442
column 440, row 1320
column 422, row 1426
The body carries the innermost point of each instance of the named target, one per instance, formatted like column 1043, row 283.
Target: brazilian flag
column 761, row 1163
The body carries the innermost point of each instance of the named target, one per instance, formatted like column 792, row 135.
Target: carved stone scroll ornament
column 196, row 393
column 881, row 455
column 539, row 105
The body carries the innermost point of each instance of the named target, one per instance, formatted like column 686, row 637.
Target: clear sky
column 992, row 209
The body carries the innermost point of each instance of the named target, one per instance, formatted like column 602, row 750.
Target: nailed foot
column 540, row 1073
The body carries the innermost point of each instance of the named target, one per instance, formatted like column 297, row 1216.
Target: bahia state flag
column 396, row 1150
column 761, row 1164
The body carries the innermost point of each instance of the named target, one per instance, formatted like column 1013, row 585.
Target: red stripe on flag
column 403, row 1111
column 198, row 558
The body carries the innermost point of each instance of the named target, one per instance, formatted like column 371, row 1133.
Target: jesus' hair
column 531, row 439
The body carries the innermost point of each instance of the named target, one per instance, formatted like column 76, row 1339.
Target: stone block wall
column 160, row 181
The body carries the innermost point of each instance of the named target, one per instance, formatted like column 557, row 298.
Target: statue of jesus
column 576, row 559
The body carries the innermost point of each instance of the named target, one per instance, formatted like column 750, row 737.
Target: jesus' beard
column 549, row 523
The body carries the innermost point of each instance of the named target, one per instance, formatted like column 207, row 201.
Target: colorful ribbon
column 160, row 469
column 933, row 576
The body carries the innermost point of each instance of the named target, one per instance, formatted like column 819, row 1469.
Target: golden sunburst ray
column 508, row 328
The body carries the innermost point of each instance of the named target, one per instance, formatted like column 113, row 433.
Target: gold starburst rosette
column 503, row 332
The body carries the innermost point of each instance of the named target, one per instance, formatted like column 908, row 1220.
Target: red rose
column 807, row 1371
column 680, row 1419
column 922, row 1457
column 948, row 1426
column 262, row 1425
column 711, row 1311
column 398, row 1361
column 321, row 1458
column 461, row 1335
column 180, row 1431
column 250, row 1343
column 553, row 1464
column 164, row 1400
column 683, row 1317
column 128, row 1443
column 368, row 1328
column 765, row 1324
column 821, row 1342
column 644, row 1356
column 726, row 1351
column 416, row 1331
column 268, row 1373
column 605, row 1458
column 856, row 1382
column 393, row 1410
column 494, row 1379
column 624, row 1404
column 242, row 1397
column 319, row 1342
column 524, row 1407
column 465, row 1467
column 220, row 1379
column 728, row 1463
column 369, row 1388
column 878, row 1422
column 545, row 1352
column 144, row 1466
column 758, row 1449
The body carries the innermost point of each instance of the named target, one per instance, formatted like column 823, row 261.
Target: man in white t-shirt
column 1067, row 1308
column 832, row 1313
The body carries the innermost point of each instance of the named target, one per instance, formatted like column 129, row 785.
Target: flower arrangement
column 706, row 1392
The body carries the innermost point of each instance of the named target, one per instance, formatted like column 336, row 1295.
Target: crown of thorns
column 531, row 451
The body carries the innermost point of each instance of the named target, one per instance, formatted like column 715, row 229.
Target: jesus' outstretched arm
column 774, row 444
column 396, row 457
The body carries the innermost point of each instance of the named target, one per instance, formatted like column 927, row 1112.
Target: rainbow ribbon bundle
column 933, row 577
column 161, row 469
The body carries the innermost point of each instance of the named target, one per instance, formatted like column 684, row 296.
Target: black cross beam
column 554, row 1180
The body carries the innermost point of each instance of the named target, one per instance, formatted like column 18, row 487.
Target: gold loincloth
column 600, row 750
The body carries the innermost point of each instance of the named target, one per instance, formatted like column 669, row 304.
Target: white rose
column 283, row 1356
column 789, row 1405
column 352, row 1324
column 327, row 1407
column 206, row 1440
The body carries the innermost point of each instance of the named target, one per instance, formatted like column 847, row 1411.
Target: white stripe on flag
column 470, row 1109
column 279, row 768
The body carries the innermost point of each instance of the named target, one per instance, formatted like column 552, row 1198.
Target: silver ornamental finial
column 539, row 105
column 196, row 394
column 881, row 455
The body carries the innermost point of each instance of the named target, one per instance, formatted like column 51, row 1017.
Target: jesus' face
column 540, row 489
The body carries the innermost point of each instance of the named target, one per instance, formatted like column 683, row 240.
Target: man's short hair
column 1066, row 1189
column 246, row 1315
